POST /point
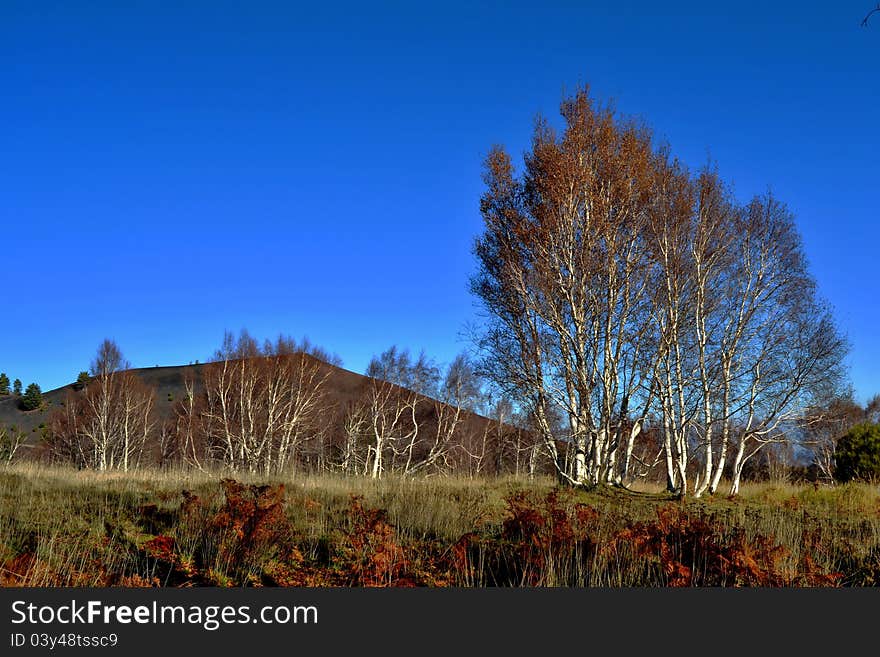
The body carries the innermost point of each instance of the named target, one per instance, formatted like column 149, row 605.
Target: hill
column 342, row 388
column 167, row 381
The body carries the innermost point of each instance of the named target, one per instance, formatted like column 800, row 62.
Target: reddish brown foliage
column 542, row 541
column 699, row 550
column 540, row 532
column 461, row 557
column 15, row 571
column 374, row 556
column 161, row 547
column 251, row 518
column 248, row 529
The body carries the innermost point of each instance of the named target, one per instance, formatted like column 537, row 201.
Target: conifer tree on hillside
column 33, row 398
column 82, row 380
column 4, row 384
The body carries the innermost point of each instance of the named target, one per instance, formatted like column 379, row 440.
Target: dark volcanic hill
column 166, row 380
column 342, row 388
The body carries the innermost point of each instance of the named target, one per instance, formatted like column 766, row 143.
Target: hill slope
column 342, row 387
column 166, row 380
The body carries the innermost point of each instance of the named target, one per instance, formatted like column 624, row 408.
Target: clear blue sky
column 172, row 169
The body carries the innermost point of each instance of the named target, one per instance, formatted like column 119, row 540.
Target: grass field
column 61, row 527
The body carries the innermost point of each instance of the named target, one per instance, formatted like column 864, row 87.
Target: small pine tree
column 82, row 380
column 33, row 398
column 4, row 384
column 16, row 387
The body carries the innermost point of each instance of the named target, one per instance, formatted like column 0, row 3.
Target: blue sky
column 172, row 169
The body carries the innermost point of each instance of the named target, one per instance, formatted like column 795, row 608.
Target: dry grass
column 65, row 527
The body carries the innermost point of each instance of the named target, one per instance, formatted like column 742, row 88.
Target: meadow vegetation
column 66, row 527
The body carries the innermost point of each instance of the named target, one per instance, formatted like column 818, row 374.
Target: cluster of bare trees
column 625, row 292
column 108, row 426
column 412, row 420
column 258, row 407
column 271, row 408
column 248, row 410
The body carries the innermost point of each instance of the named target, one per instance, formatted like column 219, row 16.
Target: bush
column 858, row 454
column 33, row 398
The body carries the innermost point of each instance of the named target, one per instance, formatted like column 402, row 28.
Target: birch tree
column 618, row 287
column 11, row 440
column 261, row 403
column 564, row 269
column 109, row 425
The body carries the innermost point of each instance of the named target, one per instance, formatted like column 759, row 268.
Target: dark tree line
column 30, row 398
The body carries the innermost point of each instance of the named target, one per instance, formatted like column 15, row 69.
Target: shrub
column 858, row 454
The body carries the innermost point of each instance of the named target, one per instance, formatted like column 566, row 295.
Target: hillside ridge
column 344, row 387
